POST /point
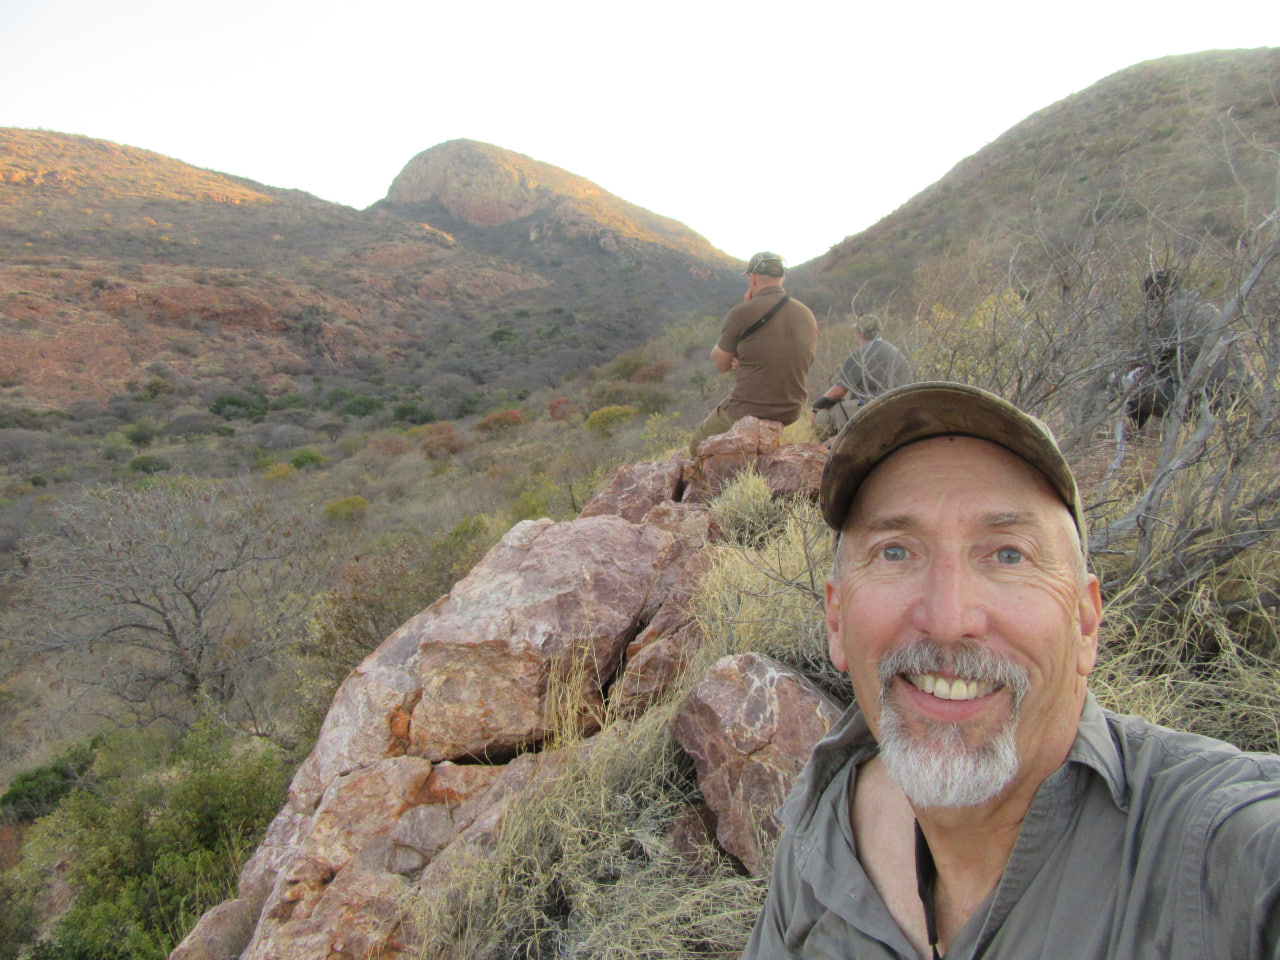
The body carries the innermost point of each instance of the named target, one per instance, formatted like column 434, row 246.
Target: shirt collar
column 1095, row 748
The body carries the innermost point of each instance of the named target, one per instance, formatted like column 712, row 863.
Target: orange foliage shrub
column 561, row 408
column 500, row 420
column 390, row 444
column 440, row 441
column 653, row 373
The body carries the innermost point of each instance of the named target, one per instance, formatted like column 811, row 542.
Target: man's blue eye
column 1009, row 555
column 895, row 553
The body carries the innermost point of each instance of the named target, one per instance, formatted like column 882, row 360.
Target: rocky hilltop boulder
column 440, row 729
column 487, row 186
column 479, row 182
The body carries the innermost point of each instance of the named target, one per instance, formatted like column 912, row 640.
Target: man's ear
column 1090, row 606
column 834, row 640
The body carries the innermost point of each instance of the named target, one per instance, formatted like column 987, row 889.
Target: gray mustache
column 973, row 661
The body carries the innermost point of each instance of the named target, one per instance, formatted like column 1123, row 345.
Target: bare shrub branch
column 174, row 594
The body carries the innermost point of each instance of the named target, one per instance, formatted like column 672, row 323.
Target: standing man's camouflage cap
column 766, row 264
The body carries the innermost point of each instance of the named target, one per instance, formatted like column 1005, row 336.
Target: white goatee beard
column 940, row 769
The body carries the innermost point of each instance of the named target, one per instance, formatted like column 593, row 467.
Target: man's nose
column 952, row 604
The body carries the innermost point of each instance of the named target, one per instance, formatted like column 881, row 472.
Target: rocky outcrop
column 475, row 182
column 749, row 726
column 432, row 738
column 756, row 444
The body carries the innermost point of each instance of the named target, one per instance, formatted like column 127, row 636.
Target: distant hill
column 483, row 186
column 1170, row 150
column 119, row 266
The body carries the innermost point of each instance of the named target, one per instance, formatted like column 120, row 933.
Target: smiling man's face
column 964, row 618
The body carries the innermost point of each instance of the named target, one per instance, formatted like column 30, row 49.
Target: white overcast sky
column 785, row 126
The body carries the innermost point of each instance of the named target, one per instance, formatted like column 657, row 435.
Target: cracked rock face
column 749, row 727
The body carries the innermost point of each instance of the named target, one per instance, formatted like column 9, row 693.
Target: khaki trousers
column 717, row 421
column 827, row 423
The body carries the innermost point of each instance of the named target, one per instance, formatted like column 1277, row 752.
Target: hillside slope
column 118, row 263
column 1178, row 152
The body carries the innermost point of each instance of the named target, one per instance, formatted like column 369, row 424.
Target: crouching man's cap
column 920, row 411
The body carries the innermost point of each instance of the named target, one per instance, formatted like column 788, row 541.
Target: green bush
column 308, row 458
column 149, row 464
column 625, row 365
column 412, row 413
column 466, row 406
column 250, row 404
column 647, row 397
column 361, row 406
column 663, row 434
column 529, row 505
column 291, row 401
column 337, row 397
column 346, row 510
column 145, row 855
column 139, row 434
column 36, row 792
column 605, row 420
column 18, row 920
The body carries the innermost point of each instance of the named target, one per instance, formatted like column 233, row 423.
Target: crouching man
column 977, row 801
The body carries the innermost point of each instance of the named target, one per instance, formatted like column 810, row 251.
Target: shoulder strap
column 765, row 319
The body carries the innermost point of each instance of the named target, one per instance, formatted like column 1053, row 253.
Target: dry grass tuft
column 1190, row 669
column 584, row 866
column 764, row 589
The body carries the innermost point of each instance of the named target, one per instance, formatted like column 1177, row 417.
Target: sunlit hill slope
column 113, row 258
column 1173, row 152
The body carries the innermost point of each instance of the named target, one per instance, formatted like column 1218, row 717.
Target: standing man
column 977, row 801
column 768, row 341
column 876, row 366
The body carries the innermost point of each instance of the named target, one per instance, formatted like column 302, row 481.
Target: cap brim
column 920, row 411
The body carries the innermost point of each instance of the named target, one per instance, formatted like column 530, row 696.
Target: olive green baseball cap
column 766, row 264
column 920, row 411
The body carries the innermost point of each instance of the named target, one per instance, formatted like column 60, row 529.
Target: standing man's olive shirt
column 1146, row 843
column 774, row 361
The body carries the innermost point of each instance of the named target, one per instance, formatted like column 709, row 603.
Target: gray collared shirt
column 872, row 369
column 1145, row 843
